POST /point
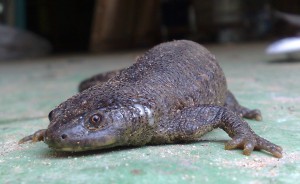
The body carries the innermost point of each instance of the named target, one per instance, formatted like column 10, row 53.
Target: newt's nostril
column 64, row 136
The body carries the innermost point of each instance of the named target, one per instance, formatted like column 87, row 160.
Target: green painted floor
column 29, row 89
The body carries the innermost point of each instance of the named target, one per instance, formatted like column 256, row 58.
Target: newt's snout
column 78, row 138
column 58, row 140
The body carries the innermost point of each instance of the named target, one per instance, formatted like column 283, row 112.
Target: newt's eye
column 95, row 121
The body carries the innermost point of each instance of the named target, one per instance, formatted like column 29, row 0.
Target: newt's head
column 89, row 127
column 88, row 131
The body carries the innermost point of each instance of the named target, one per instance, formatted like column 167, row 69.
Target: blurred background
column 38, row 27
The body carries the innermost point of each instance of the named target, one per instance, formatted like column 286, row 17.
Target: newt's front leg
column 193, row 122
column 36, row 137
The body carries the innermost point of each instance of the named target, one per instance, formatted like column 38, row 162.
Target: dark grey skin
column 175, row 92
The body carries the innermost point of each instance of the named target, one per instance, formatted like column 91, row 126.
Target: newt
column 175, row 92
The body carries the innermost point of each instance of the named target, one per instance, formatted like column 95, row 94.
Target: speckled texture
column 174, row 92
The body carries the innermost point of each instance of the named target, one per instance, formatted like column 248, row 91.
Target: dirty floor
column 29, row 89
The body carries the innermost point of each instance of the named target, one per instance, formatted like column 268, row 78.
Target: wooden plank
column 112, row 24
column 123, row 24
column 147, row 27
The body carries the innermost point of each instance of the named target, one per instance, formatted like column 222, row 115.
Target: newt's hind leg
column 97, row 79
column 232, row 104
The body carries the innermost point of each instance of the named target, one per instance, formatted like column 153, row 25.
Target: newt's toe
column 248, row 148
column 274, row 149
column 245, row 143
column 277, row 154
column 254, row 114
column 250, row 142
column 234, row 143
column 25, row 139
column 36, row 137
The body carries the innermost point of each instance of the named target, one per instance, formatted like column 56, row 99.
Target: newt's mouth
column 79, row 149
column 76, row 143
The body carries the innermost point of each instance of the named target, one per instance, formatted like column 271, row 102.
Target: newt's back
column 175, row 72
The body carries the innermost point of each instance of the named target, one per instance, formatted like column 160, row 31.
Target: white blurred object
column 290, row 18
column 284, row 46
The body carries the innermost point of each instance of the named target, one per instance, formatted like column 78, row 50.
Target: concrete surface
column 29, row 89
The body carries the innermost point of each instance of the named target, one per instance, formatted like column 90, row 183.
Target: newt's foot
column 250, row 142
column 254, row 114
column 36, row 137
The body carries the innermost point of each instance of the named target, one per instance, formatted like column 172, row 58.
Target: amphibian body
column 175, row 92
